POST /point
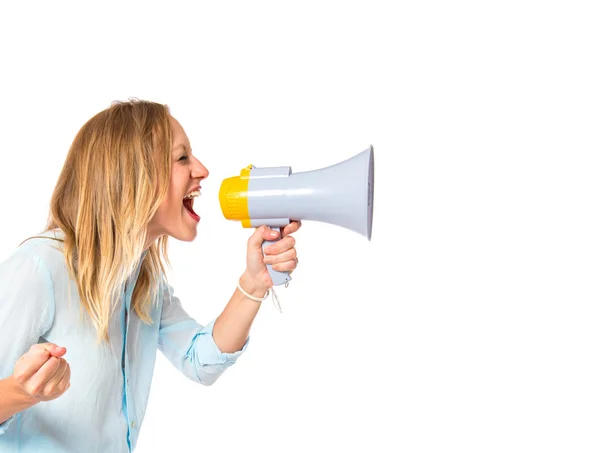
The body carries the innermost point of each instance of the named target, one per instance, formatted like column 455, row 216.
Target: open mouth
column 188, row 204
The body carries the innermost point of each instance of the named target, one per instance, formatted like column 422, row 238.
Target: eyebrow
column 181, row 145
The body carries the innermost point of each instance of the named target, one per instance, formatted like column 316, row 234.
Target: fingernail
column 273, row 234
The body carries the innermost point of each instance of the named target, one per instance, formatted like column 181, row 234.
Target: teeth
column 192, row 194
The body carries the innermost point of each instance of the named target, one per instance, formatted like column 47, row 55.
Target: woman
column 85, row 305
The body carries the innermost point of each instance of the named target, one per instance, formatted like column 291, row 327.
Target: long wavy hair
column 113, row 180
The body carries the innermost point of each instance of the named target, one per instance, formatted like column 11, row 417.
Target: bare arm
column 12, row 399
column 232, row 327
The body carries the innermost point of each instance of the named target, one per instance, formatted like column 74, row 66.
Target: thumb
column 54, row 350
column 58, row 351
column 262, row 233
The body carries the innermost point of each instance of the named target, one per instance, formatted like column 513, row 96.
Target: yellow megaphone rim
column 233, row 197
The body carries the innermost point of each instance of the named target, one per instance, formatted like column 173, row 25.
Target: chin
column 185, row 236
column 189, row 238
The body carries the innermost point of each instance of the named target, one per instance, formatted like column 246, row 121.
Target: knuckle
column 48, row 391
column 38, row 352
column 20, row 377
column 35, row 390
column 45, row 346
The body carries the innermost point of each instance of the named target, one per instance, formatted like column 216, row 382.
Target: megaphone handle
column 278, row 277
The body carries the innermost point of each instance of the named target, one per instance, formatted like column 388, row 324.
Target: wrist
column 20, row 398
column 253, row 286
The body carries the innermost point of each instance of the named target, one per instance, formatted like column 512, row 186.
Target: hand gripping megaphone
column 341, row 194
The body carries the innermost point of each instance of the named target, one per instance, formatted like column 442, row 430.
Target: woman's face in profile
column 176, row 216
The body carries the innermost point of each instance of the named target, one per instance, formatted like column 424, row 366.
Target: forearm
column 232, row 327
column 12, row 399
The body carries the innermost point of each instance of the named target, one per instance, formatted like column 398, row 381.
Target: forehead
column 179, row 136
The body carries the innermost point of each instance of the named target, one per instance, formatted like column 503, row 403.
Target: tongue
column 188, row 205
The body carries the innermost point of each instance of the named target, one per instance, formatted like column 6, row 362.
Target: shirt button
column 133, row 424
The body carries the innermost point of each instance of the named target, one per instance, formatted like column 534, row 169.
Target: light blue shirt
column 104, row 408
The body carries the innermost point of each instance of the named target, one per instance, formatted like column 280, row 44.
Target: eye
column 184, row 157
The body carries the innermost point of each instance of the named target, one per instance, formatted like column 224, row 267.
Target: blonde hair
column 114, row 177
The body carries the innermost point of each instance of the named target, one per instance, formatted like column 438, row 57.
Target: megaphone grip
column 278, row 277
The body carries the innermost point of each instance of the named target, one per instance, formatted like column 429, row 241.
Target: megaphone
column 341, row 194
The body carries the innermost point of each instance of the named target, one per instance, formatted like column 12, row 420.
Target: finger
column 286, row 266
column 288, row 255
column 56, row 379
column 65, row 383
column 271, row 234
column 57, row 351
column 292, row 227
column 45, row 373
column 67, row 377
column 261, row 234
column 280, row 246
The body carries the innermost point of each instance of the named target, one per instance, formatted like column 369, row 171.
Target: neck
column 151, row 236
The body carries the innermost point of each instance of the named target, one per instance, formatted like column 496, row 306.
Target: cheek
column 169, row 204
column 172, row 191
column 172, row 202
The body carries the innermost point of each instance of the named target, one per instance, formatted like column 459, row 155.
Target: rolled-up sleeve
column 189, row 346
column 26, row 309
column 4, row 425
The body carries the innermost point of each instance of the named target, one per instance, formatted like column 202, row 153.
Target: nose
column 198, row 170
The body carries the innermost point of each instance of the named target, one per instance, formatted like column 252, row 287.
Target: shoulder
column 46, row 249
column 28, row 278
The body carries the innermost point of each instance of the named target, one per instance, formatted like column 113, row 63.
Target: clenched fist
column 42, row 373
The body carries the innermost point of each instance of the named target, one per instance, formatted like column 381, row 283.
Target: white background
column 470, row 322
